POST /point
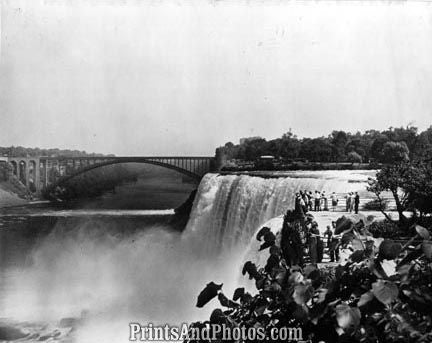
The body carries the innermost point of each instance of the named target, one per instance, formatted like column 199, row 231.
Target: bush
column 365, row 300
column 385, row 229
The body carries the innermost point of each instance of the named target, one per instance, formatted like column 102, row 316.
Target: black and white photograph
column 219, row 171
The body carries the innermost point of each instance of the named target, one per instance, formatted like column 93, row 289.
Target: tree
column 419, row 187
column 423, row 146
column 316, row 149
column 377, row 146
column 359, row 144
column 288, row 145
column 408, row 134
column 229, row 145
column 389, row 146
column 396, row 179
column 354, row 157
column 254, row 149
column 230, row 150
column 339, row 140
column 394, row 152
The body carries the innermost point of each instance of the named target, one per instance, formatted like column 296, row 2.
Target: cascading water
column 152, row 273
column 228, row 209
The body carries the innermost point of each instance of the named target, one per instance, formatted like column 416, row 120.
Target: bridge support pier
column 18, row 171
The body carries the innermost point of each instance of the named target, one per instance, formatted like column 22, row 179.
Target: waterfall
column 228, row 209
column 119, row 266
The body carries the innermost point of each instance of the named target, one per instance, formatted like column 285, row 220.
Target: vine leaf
column 302, row 293
column 422, row 232
column 427, row 249
column 224, row 301
column 385, row 291
column 365, row 298
column 389, row 267
column 389, row 249
column 208, row 293
column 348, row 318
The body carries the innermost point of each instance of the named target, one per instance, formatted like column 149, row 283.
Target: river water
column 104, row 263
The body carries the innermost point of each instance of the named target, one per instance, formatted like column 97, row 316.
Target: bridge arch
column 161, row 162
column 32, row 172
column 22, row 172
column 14, row 165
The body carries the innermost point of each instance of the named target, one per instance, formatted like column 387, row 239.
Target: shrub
column 385, row 229
column 376, row 205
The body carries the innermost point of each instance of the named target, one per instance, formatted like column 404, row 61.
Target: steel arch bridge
column 37, row 171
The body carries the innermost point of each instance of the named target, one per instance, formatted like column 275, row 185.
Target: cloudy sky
column 182, row 77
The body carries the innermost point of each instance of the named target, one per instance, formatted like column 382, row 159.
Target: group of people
column 318, row 201
column 307, row 201
column 352, row 202
column 316, row 245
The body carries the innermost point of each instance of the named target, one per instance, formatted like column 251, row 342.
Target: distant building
column 248, row 139
column 267, row 158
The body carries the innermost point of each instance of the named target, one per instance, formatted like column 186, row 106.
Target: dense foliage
column 410, row 183
column 392, row 145
column 381, row 293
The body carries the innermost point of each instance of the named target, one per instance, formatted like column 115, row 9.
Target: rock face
column 186, row 207
column 182, row 212
column 9, row 333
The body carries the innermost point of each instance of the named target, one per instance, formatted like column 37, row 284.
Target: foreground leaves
column 382, row 294
column 385, row 291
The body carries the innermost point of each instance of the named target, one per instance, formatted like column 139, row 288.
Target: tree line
column 14, row 151
column 387, row 146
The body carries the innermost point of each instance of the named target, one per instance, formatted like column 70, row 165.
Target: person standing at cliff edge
column 310, row 196
column 334, row 200
column 348, row 201
column 324, row 201
column 352, row 199
column 317, row 201
column 356, row 202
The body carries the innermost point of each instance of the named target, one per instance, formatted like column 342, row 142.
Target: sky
column 183, row 77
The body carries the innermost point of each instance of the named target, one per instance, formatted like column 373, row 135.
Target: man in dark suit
column 356, row 202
